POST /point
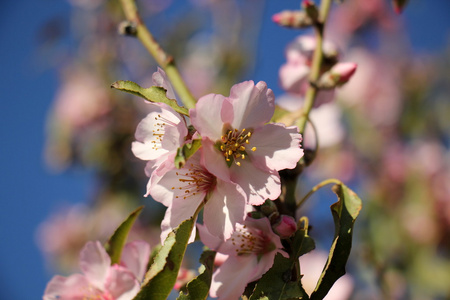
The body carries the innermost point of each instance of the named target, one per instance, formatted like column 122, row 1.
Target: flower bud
column 292, row 19
column 399, row 5
column 268, row 207
column 337, row 76
column 285, row 227
column 311, row 10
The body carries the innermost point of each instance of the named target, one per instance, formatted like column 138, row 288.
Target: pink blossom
column 161, row 132
column 285, row 227
column 250, row 252
column 183, row 190
column 101, row 280
column 326, row 119
column 294, row 74
column 373, row 90
column 239, row 146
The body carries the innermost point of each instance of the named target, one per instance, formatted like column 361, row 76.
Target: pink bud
column 285, row 227
column 292, row 19
column 342, row 72
column 399, row 5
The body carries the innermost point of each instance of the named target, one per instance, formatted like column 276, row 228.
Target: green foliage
column 198, row 288
column 162, row 275
column 282, row 281
column 116, row 242
column 185, row 152
column 344, row 213
column 153, row 94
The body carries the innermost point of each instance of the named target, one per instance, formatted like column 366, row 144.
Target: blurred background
column 69, row 175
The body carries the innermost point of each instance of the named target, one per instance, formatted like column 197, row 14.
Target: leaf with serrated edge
column 162, row 275
column 153, row 94
column 344, row 213
column 198, row 288
column 116, row 242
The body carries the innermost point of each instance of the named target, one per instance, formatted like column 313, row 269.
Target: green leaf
column 344, row 213
column 185, row 152
column 116, row 242
column 153, row 94
column 162, row 275
column 198, row 288
column 302, row 243
column 278, row 283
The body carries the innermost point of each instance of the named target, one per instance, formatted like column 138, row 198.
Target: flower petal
column 135, row 256
column 159, row 78
column 121, row 283
column 231, row 278
column 214, row 161
column 277, row 147
column 206, row 116
column 257, row 184
column 224, row 209
column 95, row 263
column 253, row 105
column 73, row 287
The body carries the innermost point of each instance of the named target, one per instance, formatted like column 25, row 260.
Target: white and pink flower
column 161, row 132
column 247, row 254
column 183, row 190
column 239, row 146
column 294, row 74
column 100, row 279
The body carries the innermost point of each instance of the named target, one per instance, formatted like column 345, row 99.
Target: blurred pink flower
column 82, row 99
column 100, row 279
column 311, row 265
column 326, row 119
column 374, row 89
column 250, row 252
column 294, row 74
column 239, row 146
column 183, row 190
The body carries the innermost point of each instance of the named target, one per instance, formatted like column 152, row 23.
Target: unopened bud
column 256, row 215
column 337, row 75
column 311, row 10
column 268, row 208
column 285, row 227
column 399, row 5
column 292, row 19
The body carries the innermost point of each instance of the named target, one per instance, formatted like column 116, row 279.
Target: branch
column 162, row 58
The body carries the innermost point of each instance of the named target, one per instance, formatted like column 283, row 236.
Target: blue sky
column 28, row 191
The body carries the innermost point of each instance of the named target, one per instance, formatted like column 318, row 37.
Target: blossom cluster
column 236, row 167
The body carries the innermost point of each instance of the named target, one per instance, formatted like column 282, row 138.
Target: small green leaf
column 153, row 94
column 278, row 284
column 198, row 288
column 302, row 243
column 344, row 213
column 162, row 275
column 185, row 152
column 116, row 242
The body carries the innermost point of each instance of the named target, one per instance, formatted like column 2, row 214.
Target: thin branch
column 162, row 58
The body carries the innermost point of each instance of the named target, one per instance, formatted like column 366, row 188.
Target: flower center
column 194, row 180
column 159, row 129
column 248, row 242
column 233, row 145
